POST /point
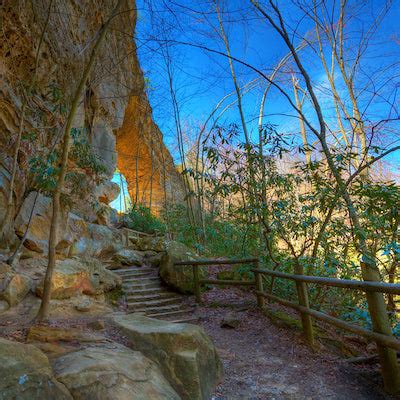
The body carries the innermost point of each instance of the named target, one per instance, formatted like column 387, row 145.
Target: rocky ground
column 263, row 354
column 260, row 359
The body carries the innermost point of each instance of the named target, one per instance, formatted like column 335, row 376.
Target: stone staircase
column 145, row 293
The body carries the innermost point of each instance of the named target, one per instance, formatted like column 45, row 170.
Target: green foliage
column 223, row 237
column 141, row 219
column 44, row 169
column 44, row 172
column 81, row 152
column 291, row 214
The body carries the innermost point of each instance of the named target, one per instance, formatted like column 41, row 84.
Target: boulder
column 150, row 243
column 102, row 279
column 93, row 240
column 4, row 306
column 5, row 270
column 51, row 334
column 38, row 234
column 72, row 277
column 104, row 215
column 186, row 355
column 84, row 306
column 14, row 287
column 153, row 258
column 26, row 374
column 107, row 192
column 128, row 257
column 97, row 325
column 113, row 372
column 179, row 277
column 76, row 236
column 230, row 321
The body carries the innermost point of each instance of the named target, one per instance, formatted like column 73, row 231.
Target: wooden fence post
column 259, row 286
column 196, row 283
column 387, row 357
column 302, row 295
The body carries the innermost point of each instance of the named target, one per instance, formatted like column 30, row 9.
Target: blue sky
column 119, row 204
column 201, row 78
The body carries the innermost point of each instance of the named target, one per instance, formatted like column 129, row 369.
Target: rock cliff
column 44, row 47
column 144, row 160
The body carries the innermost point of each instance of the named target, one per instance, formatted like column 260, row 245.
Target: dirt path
column 263, row 361
column 260, row 360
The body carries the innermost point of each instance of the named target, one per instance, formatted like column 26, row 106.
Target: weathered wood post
column 259, row 286
column 196, row 283
column 380, row 324
column 302, row 295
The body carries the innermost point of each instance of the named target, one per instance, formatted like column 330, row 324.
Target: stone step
column 155, row 309
column 132, row 269
column 136, row 285
column 139, row 303
column 149, row 279
column 169, row 313
column 183, row 320
column 134, row 297
column 137, row 275
column 135, row 272
column 140, row 291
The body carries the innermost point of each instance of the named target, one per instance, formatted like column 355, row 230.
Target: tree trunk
column 44, row 306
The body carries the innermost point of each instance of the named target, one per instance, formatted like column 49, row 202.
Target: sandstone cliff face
column 114, row 116
column 144, row 160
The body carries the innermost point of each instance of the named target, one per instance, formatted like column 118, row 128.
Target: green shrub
column 141, row 219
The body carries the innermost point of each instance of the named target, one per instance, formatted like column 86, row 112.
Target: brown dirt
column 264, row 361
column 260, row 359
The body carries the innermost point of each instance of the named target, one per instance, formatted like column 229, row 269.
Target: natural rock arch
column 144, row 160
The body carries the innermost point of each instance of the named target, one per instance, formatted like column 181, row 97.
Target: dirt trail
column 263, row 361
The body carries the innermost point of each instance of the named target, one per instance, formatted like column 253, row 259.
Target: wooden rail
column 197, row 282
column 219, row 262
column 382, row 339
column 131, row 233
column 392, row 288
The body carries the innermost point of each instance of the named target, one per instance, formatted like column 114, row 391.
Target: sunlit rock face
column 113, row 115
column 144, row 160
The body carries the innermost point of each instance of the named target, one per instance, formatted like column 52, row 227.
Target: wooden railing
column 197, row 282
column 131, row 233
column 302, row 306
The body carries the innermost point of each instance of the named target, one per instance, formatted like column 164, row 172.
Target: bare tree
column 44, row 306
column 370, row 272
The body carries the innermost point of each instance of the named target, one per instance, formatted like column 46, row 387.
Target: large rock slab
column 116, row 373
column 179, row 277
column 76, row 236
column 72, row 277
column 13, row 286
column 186, row 355
column 108, row 192
column 128, row 257
column 92, row 239
column 150, row 243
column 26, row 374
column 39, row 229
column 17, row 286
column 49, row 334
